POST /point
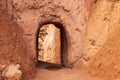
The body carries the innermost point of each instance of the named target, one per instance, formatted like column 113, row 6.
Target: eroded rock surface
column 12, row 47
column 49, row 44
column 12, row 72
column 104, row 30
column 30, row 14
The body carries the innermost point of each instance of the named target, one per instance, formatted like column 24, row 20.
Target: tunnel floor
column 48, row 71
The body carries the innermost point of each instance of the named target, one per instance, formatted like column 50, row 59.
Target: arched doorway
column 52, row 44
column 49, row 44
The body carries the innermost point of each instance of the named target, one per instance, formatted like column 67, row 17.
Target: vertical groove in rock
column 9, row 7
column 7, row 4
column 12, row 10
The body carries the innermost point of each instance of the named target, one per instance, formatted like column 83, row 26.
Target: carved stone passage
column 49, row 44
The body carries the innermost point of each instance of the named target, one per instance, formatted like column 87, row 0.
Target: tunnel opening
column 63, row 46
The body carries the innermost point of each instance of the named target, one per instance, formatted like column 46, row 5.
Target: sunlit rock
column 12, row 72
column 49, row 44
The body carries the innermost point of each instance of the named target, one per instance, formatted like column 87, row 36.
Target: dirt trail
column 46, row 71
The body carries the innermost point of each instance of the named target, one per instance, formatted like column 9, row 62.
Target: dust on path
column 45, row 71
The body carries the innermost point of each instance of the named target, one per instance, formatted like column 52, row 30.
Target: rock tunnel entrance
column 52, row 44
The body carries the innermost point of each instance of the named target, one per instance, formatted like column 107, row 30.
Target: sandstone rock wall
column 104, row 29
column 3, row 4
column 13, row 50
column 99, row 27
column 31, row 14
column 91, row 28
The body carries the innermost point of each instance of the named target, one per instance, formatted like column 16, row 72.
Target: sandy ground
column 47, row 71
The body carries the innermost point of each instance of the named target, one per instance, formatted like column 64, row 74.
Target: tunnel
column 52, row 44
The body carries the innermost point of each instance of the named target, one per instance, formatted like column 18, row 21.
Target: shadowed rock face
column 13, row 50
column 49, row 44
